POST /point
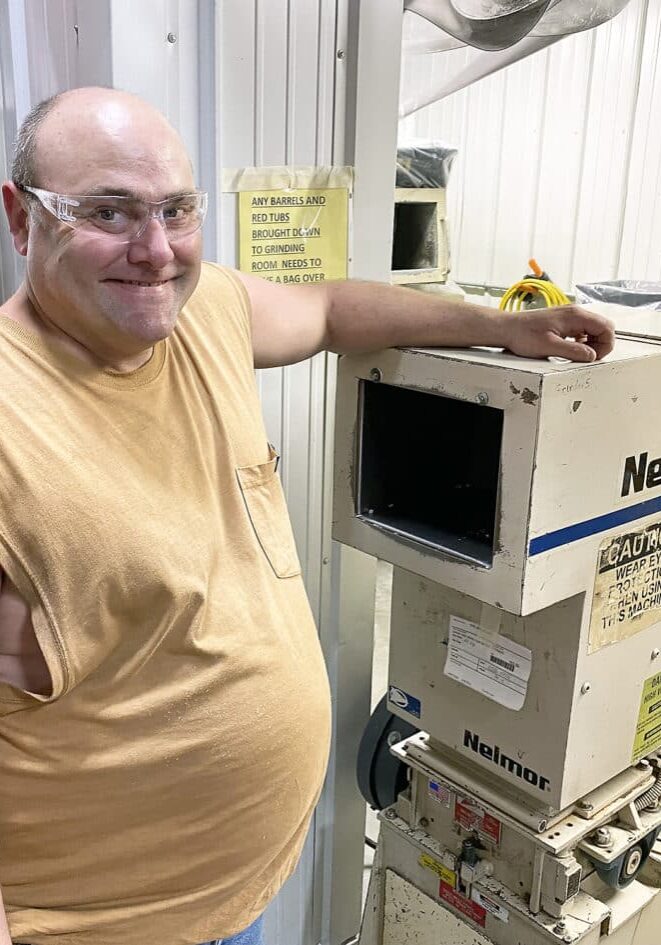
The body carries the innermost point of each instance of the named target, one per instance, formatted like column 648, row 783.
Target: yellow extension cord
column 515, row 297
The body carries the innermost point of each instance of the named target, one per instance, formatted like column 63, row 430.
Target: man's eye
column 106, row 214
column 178, row 212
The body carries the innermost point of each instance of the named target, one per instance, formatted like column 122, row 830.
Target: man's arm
column 291, row 323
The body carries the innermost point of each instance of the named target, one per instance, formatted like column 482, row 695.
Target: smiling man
column 164, row 710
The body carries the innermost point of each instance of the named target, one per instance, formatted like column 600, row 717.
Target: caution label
column 447, row 875
column 627, row 588
column 297, row 237
column 648, row 729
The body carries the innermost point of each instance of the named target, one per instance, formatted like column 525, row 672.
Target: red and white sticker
column 471, row 816
column 467, row 907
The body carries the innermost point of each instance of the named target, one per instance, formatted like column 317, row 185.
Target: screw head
column 172, row 37
column 585, row 688
column 340, row 54
column 483, row 398
column 585, row 805
column 375, row 375
column 424, row 823
column 602, row 837
column 656, row 653
column 390, row 814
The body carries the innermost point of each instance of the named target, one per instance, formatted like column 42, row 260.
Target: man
column 164, row 709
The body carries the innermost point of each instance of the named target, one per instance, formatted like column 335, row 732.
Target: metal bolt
column 340, row 54
column 172, row 37
column 393, row 738
column 585, row 805
column 567, row 939
column 644, row 763
column 656, row 653
column 560, row 927
column 375, row 375
column 483, row 398
column 585, row 688
column 390, row 814
column 603, row 837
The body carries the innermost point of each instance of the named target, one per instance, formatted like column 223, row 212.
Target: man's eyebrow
column 122, row 192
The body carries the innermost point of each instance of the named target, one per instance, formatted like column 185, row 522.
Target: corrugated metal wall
column 277, row 75
column 559, row 155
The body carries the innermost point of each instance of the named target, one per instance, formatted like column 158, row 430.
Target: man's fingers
column 600, row 331
column 572, row 350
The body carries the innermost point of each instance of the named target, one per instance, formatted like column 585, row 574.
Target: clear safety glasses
column 123, row 219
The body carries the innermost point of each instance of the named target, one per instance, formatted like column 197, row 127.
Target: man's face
column 115, row 298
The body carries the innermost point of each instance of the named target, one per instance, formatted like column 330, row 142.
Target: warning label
column 471, row 816
column 648, row 729
column 627, row 588
column 295, row 237
column 467, row 907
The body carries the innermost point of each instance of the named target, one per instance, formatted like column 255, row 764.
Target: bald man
column 164, row 710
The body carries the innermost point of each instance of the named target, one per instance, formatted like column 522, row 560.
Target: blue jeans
column 250, row 936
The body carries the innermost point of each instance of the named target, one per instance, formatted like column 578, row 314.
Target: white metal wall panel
column 560, row 155
column 641, row 238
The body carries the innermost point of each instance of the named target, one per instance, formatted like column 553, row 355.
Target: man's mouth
column 150, row 284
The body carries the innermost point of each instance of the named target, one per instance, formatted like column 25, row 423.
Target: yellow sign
column 648, row 729
column 627, row 587
column 447, row 876
column 294, row 237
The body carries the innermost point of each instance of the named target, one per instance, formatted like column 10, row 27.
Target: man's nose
column 152, row 245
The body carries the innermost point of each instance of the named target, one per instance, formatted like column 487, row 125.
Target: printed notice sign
column 627, row 587
column 648, row 729
column 495, row 666
column 294, row 237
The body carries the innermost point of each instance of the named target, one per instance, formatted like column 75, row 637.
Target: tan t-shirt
column 163, row 792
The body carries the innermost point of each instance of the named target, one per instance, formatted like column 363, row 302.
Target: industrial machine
column 520, row 505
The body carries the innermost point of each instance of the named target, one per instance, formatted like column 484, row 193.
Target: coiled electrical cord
column 521, row 294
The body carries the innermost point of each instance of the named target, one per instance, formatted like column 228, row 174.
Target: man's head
column 114, row 296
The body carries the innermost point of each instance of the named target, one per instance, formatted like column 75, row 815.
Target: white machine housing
column 554, row 467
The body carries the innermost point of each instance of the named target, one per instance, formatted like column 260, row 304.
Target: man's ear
column 17, row 215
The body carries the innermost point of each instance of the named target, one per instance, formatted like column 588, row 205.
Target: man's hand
column 565, row 332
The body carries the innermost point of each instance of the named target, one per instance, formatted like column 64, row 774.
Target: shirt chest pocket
column 266, row 507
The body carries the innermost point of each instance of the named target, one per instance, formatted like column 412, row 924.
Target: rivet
column 375, row 375
column 340, row 54
column 172, row 37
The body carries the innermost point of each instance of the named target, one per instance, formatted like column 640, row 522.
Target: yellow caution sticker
column 448, row 876
column 648, row 729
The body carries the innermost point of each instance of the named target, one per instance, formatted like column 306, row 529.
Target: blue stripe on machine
column 592, row 526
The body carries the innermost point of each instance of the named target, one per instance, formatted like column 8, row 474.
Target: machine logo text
column 640, row 473
column 494, row 754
